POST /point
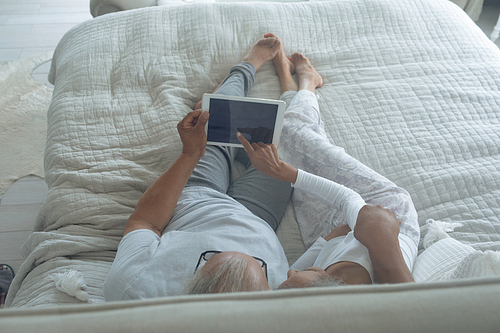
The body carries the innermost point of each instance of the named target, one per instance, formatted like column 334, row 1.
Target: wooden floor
column 28, row 27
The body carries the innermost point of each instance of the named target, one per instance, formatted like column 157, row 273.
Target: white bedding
column 411, row 89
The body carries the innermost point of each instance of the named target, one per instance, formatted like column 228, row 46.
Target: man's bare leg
column 261, row 52
column 284, row 68
column 308, row 77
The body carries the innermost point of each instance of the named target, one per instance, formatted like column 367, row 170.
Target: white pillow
column 440, row 259
column 478, row 264
column 449, row 259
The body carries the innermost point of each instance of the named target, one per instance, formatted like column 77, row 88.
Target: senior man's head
column 225, row 272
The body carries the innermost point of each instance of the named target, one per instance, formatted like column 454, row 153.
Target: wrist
column 390, row 267
column 289, row 173
column 191, row 156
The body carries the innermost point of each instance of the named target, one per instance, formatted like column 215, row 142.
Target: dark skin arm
column 340, row 230
column 377, row 228
column 157, row 204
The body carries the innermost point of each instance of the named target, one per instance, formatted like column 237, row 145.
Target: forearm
column 157, row 204
column 388, row 263
column 331, row 193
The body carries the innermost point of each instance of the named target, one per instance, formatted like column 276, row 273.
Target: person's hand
column 376, row 226
column 192, row 132
column 259, row 134
column 264, row 157
column 340, row 230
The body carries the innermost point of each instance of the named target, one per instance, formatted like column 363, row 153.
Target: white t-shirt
column 150, row 266
column 322, row 254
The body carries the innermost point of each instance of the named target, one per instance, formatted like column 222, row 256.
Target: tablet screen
column 255, row 121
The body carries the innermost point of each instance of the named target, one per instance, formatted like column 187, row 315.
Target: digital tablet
column 258, row 120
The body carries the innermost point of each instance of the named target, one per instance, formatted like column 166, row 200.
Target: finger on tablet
column 246, row 130
column 244, row 141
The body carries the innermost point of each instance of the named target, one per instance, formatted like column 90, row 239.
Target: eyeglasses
column 207, row 255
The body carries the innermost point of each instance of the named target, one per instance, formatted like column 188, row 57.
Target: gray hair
column 229, row 277
column 319, row 282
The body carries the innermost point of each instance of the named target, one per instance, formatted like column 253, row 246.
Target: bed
column 411, row 89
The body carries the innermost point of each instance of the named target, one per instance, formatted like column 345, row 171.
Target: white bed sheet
column 411, row 89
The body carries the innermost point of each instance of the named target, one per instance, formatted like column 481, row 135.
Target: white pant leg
column 305, row 145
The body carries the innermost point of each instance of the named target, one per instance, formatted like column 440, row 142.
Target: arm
column 331, row 193
column 378, row 229
column 157, row 204
column 340, row 230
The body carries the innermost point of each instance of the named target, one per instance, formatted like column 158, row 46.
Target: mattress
column 411, row 89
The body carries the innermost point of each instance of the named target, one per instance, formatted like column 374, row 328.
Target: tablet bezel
column 278, row 123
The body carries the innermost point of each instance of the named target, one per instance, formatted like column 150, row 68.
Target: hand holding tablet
column 259, row 120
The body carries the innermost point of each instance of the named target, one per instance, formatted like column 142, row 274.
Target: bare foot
column 307, row 75
column 262, row 51
column 280, row 60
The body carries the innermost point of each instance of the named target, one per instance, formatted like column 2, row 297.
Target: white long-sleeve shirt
column 331, row 193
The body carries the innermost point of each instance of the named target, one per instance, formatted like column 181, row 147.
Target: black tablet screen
column 255, row 121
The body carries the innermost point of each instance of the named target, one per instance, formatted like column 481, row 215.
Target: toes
column 269, row 41
column 298, row 58
column 272, row 42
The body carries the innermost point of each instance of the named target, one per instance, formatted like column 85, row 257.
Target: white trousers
column 305, row 145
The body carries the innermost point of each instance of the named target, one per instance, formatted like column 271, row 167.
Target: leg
column 264, row 196
column 214, row 168
column 309, row 79
column 285, row 69
column 262, row 51
column 305, row 145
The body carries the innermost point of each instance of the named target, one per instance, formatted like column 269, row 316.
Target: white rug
column 23, row 120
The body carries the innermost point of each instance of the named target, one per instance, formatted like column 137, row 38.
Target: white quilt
column 411, row 89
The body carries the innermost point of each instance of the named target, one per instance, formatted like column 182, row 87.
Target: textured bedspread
column 411, row 89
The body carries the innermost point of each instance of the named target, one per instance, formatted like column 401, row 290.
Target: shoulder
column 139, row 237
column 135, row 252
